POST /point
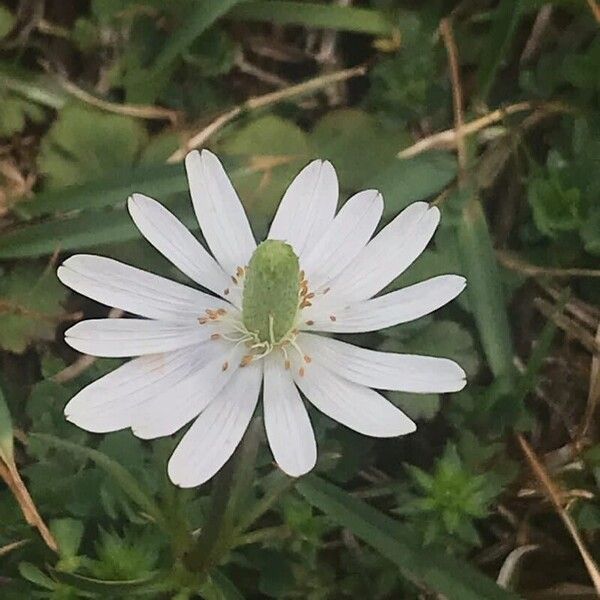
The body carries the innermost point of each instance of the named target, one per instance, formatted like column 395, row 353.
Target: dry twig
column 199, row 139
column 512, row 261
column 553, row 494
column 457, row 97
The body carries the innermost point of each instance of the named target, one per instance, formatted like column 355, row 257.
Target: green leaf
column 68, row 534
column 30, row 306
column 7, row 21
column 34, row 575
column 108, row 588
column 75, row 147
column 554, row 207
column 273, row 150
column 110, row 189
column 440, row 338
column 198, row 20
column 312, row 14
column 416, row 406
column 121, row 476
column 407, row 180
column 6, row 432
column 484, row 287
column 438, row 571
column 340, row 135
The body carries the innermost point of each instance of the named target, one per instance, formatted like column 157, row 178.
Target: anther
column 326, row 290
column 215, row 336
column 309, row 296
column 301, row 371
column 225, row 366
column 307, row 358
column 288, row 364
column 305, row 304
column 301, row 276
column 239, row 272
column 235, row 281
column 332, row 318
column 226, row 291
column 246, row 360
column 202, row 320
column 221, row 312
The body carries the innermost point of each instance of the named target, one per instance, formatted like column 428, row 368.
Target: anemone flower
column 263, row 319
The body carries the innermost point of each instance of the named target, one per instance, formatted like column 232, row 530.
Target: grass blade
column 484, row 287
column 311, row 14
column 444, row 574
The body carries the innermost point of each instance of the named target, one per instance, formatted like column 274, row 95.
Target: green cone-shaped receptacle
column 271, row 289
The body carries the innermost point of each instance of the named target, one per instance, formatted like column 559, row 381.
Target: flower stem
column 230, row 487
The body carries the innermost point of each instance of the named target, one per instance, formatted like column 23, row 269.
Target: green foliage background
column 95, row 97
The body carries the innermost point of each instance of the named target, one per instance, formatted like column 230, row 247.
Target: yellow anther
column 246, row 360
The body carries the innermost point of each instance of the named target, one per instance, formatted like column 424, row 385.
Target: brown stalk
column 198, row 139
column 553, row 494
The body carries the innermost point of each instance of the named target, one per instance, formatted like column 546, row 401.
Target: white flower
column 203, row 357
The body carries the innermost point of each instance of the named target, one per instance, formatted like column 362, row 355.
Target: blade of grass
column 199, row 20
column 428, row 566
column 484, row 286
column 312, row 14
column 154, row 180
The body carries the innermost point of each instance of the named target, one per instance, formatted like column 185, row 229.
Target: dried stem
column 457, row 97
column 448, row 139
column 553, row 494
column 138, row 111
column 198, row 139
column 10, row 474
column 513, row 262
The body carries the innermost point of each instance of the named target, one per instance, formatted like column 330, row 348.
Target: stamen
column 226, row 291
column 221, row 312
column 239, row 272
column 215, row 336
column 288, row 364
column 235, row 281
column 225, row 366
column 307, row 358
column 326, row 290
column 310, row 322
column 305, row 304
column 302, row 274
column 246, row 360
column 202, row 320
column 332, row 318
column 301, row 371
column 309, row 296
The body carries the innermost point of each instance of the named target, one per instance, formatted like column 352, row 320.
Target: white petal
column 401, row 306
column 355, row 406
column 347, row 235
column 287, row 424
column 164, row 414
column 307, row 207
column 109, row 403
column 133, row 290
column 388, row 254
column 116, row 338
column 172, row 239
column 384, row 370
column 219, row 211
column 216, row 433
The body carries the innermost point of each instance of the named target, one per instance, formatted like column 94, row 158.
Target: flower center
column 271, row 292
